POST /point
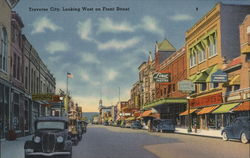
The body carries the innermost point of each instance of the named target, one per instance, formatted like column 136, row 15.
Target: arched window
column 3, row 48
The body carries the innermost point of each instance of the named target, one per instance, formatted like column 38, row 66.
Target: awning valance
column 201, row 77
column 243, row 107
column 186, row 112
column 225, row 108
column 235, row 80
column 207, row 110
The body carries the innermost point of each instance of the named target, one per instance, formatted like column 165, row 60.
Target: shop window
column 165, row 91
column 173, row 87
column 203, row 86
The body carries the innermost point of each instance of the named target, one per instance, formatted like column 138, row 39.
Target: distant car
column 128, row 124
column 105, row 123
column 239, row 129
column 51, row 139
column 163, row 125
column 136, row 125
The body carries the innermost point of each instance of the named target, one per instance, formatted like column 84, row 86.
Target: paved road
column 114, row 142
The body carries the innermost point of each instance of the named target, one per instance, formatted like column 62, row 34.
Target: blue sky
column 103, row 49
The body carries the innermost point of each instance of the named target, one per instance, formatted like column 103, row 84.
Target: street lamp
column 61, row 99
column 189, row 121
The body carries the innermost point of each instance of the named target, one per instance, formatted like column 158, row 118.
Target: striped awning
column 207, row 110
column 186, row 112
column 245, row 106
column 225, row 108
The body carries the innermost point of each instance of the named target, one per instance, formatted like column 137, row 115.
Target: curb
column 208, row 136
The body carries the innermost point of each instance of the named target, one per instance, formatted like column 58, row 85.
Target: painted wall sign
column 219, row 76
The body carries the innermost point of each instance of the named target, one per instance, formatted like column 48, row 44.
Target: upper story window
column 212, row 51
column 3, row 49
column 201, row 55
column 192, row 58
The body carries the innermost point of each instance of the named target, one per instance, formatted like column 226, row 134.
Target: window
column 173, row 87
column 248, row 57
column 18, row 67
column 3, row 49
column 26, row 77
column 212, row 46
column 214, row 85
column 203, row 86
column 165, row 91
column 201, row 55
column 14, row 66
column 192, row 59
column 236, row 87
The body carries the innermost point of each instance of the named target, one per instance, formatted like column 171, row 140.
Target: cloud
column 107, row 25
column 57, row 46
column 111, row 74
column 85, row 77
column 43, row 23
column 151, row 24
column 181, row 17
column 119, row 44
column 90, row 58
column 84, row 29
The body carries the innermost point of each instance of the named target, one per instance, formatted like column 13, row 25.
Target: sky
column 103, row 47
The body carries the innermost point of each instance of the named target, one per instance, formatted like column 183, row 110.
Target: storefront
column 4, row 109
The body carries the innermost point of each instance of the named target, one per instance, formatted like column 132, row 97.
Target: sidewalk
column 13, row 149
column 204, row 133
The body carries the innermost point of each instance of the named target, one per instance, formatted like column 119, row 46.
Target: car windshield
column 50, row 125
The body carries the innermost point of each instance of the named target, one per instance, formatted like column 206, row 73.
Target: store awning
column 213, row 70
column 146, row 113
column 186, row 112
column 235, row 80
column 225, row 108
column 207, row 110
column 201, row 77
column 130, row 118
column 192, row 78
column 245, row 106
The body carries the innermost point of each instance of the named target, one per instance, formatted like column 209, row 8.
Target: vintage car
column 75, row 130
column 51, row 139
column 163, row 125
column 239, row 129
column 136, row 125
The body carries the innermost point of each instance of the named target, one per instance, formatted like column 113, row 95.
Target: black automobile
column 51, row 139
column 239, row 129
column 163, row 125
column 136, row 125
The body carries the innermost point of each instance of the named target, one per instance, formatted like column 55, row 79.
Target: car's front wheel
column 243, row 138
column 224, row 136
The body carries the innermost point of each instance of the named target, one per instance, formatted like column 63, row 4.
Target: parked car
column 239, row 129
column 128, row 124
column 75, row 130
column 136, row 125
column 51, row 139
column 163, row 125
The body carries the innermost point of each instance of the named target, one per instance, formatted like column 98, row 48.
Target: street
column 115, row 142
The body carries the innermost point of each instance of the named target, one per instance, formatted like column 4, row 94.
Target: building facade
column 210, row 43
column 5, row 39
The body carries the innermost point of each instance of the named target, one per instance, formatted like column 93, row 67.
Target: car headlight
column 37, row 139
column 59, row 139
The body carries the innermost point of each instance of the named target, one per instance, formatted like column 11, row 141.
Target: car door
column 237, row 127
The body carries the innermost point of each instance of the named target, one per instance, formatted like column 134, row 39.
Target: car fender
column 246, row 132
column 29, row 145
column 67, row 145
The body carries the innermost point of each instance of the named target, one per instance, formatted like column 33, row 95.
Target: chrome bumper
column 46, row 154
